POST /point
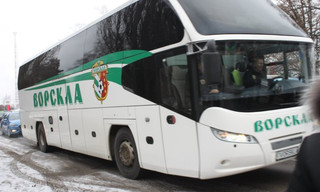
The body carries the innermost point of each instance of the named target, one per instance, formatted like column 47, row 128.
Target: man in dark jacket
column 306, row 176
column 253, row 75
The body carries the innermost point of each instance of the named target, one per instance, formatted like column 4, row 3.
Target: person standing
column 306, row 176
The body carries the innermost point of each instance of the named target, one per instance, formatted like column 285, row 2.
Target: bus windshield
column 239, row 17
column 258, row 76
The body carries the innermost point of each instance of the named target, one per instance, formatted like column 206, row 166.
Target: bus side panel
column 46, row 105
column 63, row 118
column 77, row 131
column 27, row 127
column 150, row 138
column 26, row 122
column 28, row 116
column 180, row 144
column 95, row 136
column 51, row 128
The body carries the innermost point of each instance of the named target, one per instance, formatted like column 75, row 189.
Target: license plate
column 280, row 155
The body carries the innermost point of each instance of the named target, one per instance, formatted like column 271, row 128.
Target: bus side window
column 139, row 78
column 169, row 93
column 175, row 89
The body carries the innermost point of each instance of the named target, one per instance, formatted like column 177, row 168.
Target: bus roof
column 228, row 17
column 221, row 18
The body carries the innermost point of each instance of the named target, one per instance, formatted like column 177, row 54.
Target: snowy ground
column 27, row 169
column 24, row 168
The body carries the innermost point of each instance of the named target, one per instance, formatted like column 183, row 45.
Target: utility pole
column 16, row 104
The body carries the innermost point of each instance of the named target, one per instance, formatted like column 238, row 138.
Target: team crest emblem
column 99, row 73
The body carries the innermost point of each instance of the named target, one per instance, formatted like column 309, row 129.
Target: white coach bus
column 163, row 86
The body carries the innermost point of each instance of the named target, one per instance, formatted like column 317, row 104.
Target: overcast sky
column 38, row 25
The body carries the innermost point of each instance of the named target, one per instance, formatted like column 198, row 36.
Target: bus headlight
column 233, row 137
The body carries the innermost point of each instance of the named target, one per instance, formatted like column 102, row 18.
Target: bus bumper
column 219, row 158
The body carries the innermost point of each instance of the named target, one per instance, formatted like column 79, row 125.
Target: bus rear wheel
column 42, row 140
column 126, row 156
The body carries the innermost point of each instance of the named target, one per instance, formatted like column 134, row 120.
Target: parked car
column 2, row 114
column 10, row 124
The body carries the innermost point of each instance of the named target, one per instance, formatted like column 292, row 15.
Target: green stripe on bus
column 121, row 57
column 114, row 75
column 128, row 60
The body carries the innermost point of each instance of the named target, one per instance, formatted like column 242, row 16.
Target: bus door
column 180, row 144
column 62, row 99
column 150, row 138
column 179, row 132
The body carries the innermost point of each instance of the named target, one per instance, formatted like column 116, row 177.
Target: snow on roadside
column 16, row 176
column 11, row 183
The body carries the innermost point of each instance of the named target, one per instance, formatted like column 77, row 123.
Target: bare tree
column 306, row 13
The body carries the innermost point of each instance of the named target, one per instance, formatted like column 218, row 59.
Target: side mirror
column 212, row 64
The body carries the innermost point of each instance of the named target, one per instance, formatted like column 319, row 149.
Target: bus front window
column 258, row 76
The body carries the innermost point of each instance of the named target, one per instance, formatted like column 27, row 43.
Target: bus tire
column 126, row 156
column 42, row 140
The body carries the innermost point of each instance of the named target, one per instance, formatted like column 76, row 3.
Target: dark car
column 10, row 124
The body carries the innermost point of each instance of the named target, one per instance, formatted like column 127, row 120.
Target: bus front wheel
column 126, row 156
column 42, row 140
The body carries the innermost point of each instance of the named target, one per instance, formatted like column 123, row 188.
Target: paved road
column 62, row 170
